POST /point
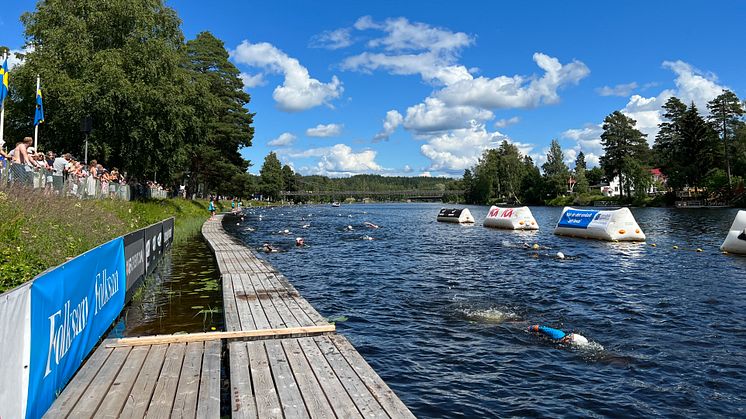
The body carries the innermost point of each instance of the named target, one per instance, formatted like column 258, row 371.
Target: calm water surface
column 182, row 295
column 440, row 310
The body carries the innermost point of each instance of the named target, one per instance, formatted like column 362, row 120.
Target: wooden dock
column 156, row 381
column 285, row 360
column 305, row 376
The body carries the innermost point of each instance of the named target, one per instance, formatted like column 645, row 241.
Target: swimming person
column 559, row 336
column 299, row 241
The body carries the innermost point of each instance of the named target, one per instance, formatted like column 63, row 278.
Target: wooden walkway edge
column 319, row 376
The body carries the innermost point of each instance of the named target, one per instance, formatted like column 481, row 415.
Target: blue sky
column 422, row 88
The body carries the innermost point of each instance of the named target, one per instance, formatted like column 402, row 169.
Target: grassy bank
column 38, row 232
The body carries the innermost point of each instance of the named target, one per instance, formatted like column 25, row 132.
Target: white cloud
column 502, row 123
column 402, row 35
column 252, row 80
column 516, row 91
column 340, row 160
column 426, row 174
column 460, row 149
column 336, row 39
column 692, row 85
column 324, row 131
column 412, row 48
column 622, row 90
column 407, row 168
column 433, row 116
column 285, row 139
column 390, row 124
column 299, row 91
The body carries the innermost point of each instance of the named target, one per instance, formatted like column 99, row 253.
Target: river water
column 441, row 310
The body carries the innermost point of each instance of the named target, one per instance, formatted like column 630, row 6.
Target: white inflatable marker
column 519, row 218
column 611, row 225
column 455, row 215
column 735, row 241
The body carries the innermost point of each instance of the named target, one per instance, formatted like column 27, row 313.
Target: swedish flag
column 4, row 86
column 39, row 115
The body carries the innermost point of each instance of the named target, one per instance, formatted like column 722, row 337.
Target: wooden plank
column 286, row 317
column 78, row 385
column 141, row 393
column 242, row 298
column 265, row 392
column 99, row 387
column 120, row 389
column 290, row 397
column 313, row 396
column 201, row 337
column 230, row 305
column 242, row 393
column 208, row 403
column 165, row 389
column 359, row 393
column 340, row 401
column 385, row 396
column 185, row 404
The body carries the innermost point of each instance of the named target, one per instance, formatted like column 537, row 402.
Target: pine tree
column 581, row 181
column 725, row 110
column 271, row 182
column 624, row 150
column 556, row 171
column 670, row 154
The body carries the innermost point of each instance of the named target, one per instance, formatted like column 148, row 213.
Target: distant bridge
column 409, row 194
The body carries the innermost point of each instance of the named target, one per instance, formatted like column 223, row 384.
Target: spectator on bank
column 22, row 164
column 58, row 171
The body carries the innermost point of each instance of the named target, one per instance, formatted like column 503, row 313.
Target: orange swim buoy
column 622, row 231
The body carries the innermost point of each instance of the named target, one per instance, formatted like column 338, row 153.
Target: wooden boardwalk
column 304, row 373
column 158, row 381
column 308, row 376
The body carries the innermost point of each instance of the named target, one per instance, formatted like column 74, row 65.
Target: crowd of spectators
column 24, row 166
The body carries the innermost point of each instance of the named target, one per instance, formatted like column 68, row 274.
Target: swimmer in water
column 267, row 248
column 299, row 242
column 370, row 225
column 559, row 336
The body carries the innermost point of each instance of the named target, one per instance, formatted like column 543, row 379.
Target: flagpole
column 36, row 126
column 2, row 113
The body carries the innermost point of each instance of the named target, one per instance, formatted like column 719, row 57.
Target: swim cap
column 577, row 339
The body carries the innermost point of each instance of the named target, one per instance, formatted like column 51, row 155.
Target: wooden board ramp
column 158, row 381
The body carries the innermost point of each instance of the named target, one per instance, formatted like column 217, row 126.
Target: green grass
column 38, row 232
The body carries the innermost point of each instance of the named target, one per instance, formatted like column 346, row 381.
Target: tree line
column 162, row 108
column 704, row 155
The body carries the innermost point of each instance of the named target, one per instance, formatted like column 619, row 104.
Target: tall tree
column 669, row 151
column 288, row 179
column 624, row 150
column 555, row 170
column 725, row 111
column 271, row 177
column 581, row 181
column 225, row 122
column 119, row 61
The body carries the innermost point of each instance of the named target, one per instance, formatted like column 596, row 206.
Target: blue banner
column 574, row 218
column 72, row 306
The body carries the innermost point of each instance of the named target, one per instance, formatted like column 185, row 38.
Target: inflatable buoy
column 455, row 215
column 611, row 225
column 735, row 241
column 519, row 218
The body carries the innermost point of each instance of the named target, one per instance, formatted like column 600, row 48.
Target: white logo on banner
column 61, row 336
column 134, row 261
column 106, row 287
